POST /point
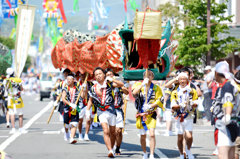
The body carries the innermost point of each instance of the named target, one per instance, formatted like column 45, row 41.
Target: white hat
column 182, row 74
column 208, row 68
column 223, row 67
column 10, row 71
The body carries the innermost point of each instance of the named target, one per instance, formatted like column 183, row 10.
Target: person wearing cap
column 146, row 110
column 183, row 103
column 102, row 95
column 15, row 102
column 118, row 103
column 225, row 108
column 207, row 92
column 71, row 110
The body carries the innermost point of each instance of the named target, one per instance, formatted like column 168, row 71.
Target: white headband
column 182, row 74
column 70, row 76
column 238, row 81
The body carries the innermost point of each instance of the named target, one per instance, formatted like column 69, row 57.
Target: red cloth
column 148, row 50
column 214, row 87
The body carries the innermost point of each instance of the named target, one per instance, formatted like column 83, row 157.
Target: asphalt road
column 46, row 140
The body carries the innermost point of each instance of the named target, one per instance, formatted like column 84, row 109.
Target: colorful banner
column 6, row 8
column 23, row 36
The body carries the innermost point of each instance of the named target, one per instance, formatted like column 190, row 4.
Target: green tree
column 173, row 12
column 192, row 49
column 9, row 42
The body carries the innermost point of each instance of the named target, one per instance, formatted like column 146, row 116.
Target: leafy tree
column 192, row 49
column 9, row 42
column 172, row 12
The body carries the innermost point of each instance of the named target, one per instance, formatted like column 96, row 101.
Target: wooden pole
column 124, row 111
column 79, row 95
column 59, row 97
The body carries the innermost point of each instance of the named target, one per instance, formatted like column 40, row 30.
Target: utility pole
column 208, row 31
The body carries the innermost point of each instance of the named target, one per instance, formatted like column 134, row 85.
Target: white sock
column 151, row 156
column 13, row 129
column 111, row 151
column 86, row 135
column 8, row 123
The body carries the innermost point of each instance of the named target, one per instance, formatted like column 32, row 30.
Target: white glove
column 145, row 81
column 84, row 86
column 88, row 114
column 55, row 104
column 146, row 107
column 226, row 119
column 109, row 79
column 74, row 106
column 126, row 85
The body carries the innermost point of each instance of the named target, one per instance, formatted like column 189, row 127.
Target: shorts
column 19, row 111
column 143, row 132
column 82, row 114
column 5, row 103
column 186, row 125
column 237, row 145
column 168, row 115
column 107, row 117
column 224, row 140
column 68, row 118
column 119, row 119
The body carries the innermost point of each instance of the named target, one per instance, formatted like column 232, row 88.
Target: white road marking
column 51, row 132
column 3, row 136
column 37, row 99
column 26, row 126
column 49, row 123
column 157, row 151
column 127, row 121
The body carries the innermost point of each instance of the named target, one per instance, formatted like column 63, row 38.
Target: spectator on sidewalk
column 207, row 102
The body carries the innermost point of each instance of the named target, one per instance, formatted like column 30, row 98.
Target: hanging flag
column 101, row 9
column 133, row 4
column 23, row 36
column 90, row 20
column 94, row 11
column 106, row 21
column 62, row 11
column 125, row 5
column 75, row 6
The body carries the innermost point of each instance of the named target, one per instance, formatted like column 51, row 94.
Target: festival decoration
column 90, row 20
column 23, row 36
column 75, row 6
column 131, row 60
column 50, row 6
column 54, row 22
column 5, row 58
column 97, row 6
column 133, row 4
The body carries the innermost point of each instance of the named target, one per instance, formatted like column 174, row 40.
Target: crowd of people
column 102, row 99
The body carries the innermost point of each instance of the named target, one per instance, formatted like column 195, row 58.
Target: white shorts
column 74, row 123
column 168, row 115
column 186, row 125
column 143, row 132
column 19, row 111
column 82, row 114
column 119, row 120
column 107, row 117
column 224, row 140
